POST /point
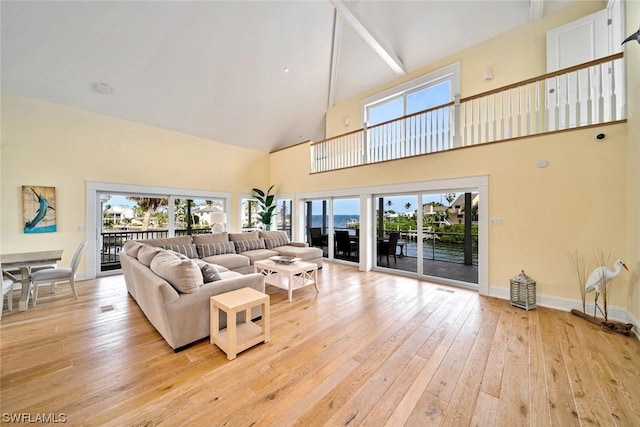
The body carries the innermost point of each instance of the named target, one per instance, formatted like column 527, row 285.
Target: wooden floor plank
column 369, row 349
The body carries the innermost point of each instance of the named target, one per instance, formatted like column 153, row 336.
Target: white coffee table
column 288, row 276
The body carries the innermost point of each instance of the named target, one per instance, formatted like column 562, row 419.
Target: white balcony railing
column 584, row 95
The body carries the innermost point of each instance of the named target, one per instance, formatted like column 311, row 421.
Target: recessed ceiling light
column 286, row 69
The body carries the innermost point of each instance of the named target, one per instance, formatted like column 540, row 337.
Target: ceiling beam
column 335, row 50
column 368, row 36
column 537, row 9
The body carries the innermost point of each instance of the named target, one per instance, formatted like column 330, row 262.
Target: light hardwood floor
column 369, row 349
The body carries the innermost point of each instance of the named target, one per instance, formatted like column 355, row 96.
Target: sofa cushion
column 231, row 261
column 230, row 274
column 178, row 240
column 199, row 239
column 216, row 248
column 274, row 234
column 147, row 253
column 183, row 274
column 209, row 271
column 259, row 254
column 249, row 235
column 249, row 245
column 274, row 242
column 188, row 250
column 304, row 253
column 131, row 247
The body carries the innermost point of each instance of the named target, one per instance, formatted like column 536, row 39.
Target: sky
column 351, row 206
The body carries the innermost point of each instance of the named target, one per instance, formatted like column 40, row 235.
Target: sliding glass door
column 396, row 225
column 345, row 219
column 131, row 216
column 316, row 224
column 429, row 234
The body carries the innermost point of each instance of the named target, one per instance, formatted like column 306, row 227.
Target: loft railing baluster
column 510, row 113
column 589, row 98
column 600, row 96
column 479, row 125
column 528, row 109
column 567, row 104
column 495, row 122
column 537, row 115
column 486, row 119
column 613, row 96
column 519, row 112
column 502, row 129
column 578, row 100
column 556, row 123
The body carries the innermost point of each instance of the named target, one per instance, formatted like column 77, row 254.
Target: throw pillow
column 249, row 245
column 209, row 271
column 274, row 242
column 188, row 250
column 147, row 253
column 131, row 247
column 183, row 274
column 217, row 248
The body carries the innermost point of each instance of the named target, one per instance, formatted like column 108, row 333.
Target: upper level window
column 420, row 94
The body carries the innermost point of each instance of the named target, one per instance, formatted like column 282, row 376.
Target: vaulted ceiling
column 256, row 74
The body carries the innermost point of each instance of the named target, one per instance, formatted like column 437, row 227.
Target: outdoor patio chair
column 56, row 275
column 345, row 245
column 316, row 238
column 389, row 247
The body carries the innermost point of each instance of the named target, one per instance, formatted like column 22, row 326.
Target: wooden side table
column 237, row 337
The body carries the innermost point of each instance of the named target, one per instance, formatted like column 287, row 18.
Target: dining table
column 25, row 261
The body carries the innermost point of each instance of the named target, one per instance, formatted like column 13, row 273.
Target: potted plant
column 266, row 206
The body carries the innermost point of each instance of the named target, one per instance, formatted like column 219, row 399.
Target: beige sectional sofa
column 238, row 251
column 172, row 293
column 169, row 277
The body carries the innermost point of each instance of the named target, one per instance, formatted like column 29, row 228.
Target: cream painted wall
column 53, row 145
column 576, row 203
column 632, row 55
column 514, row 56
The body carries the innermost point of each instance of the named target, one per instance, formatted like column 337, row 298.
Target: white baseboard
column 619, row 314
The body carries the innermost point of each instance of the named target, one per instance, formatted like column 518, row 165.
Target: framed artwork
column 39, row 209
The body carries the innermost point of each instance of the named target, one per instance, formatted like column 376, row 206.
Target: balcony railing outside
column 584, row 95
column 111, row 243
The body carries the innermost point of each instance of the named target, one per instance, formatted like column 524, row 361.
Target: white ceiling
column 216, row 69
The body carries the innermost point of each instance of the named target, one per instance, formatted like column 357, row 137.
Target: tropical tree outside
column 147, row 206
column 450, row 197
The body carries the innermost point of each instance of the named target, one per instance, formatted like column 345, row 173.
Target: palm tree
column 389, row 204
column 450, row 197
column 407, row 206
column 148, row 205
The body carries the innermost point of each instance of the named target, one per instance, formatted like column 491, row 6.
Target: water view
column 433, row 248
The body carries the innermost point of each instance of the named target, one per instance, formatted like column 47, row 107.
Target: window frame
column 449, row 73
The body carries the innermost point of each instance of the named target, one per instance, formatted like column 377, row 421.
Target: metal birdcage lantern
column 523, row 292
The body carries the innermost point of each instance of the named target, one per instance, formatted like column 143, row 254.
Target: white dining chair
column 7, row 290
column 56, row 275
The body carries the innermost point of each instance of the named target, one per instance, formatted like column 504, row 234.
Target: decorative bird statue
column 600, row 277
column 635, row 36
